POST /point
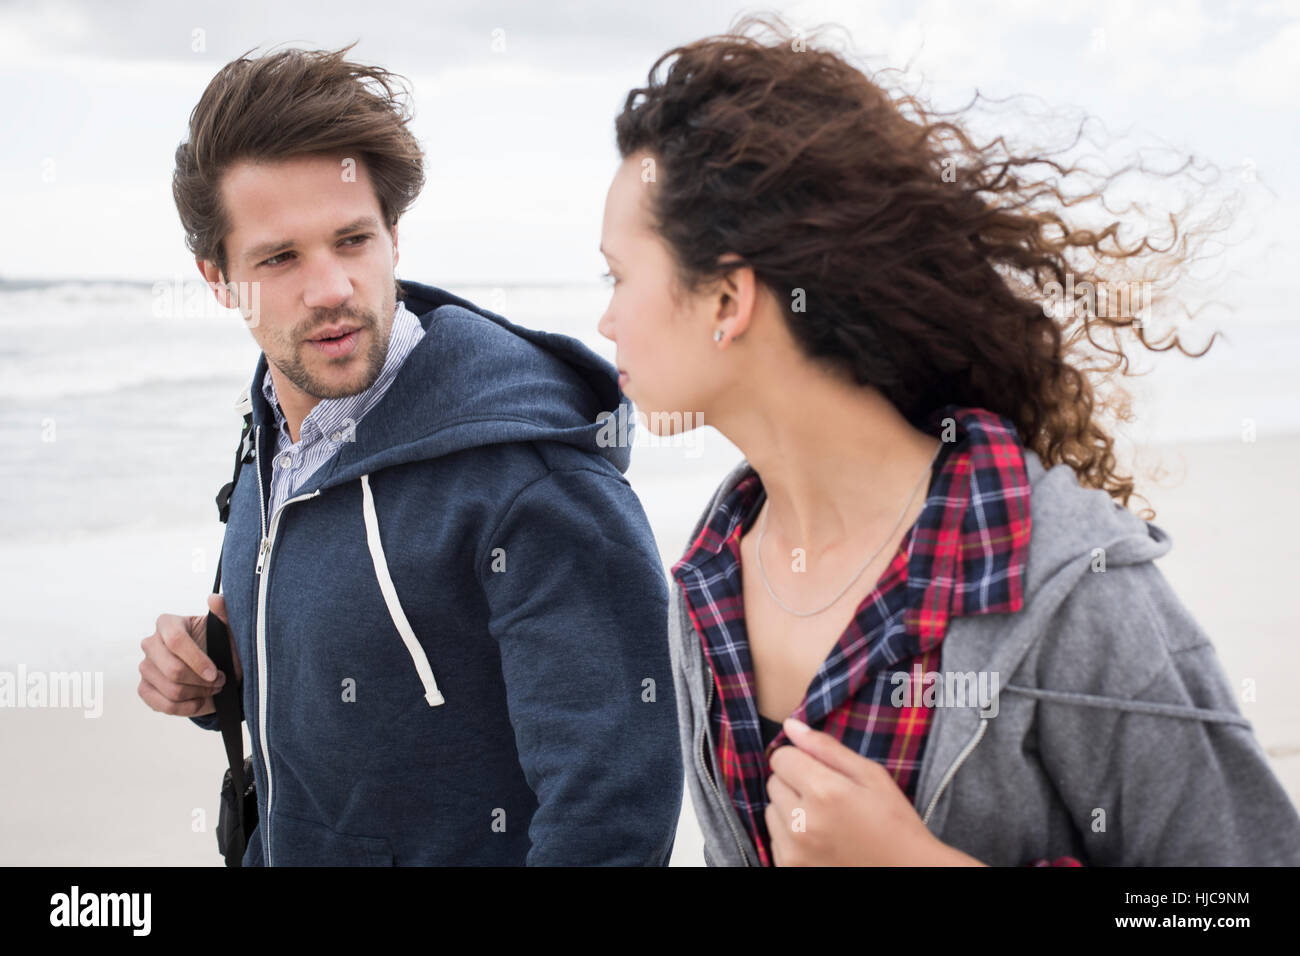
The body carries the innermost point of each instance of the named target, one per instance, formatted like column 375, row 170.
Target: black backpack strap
column 229, row 700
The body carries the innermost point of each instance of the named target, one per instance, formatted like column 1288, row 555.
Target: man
column 445, row 602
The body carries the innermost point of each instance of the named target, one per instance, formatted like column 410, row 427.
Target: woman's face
column 665, row 351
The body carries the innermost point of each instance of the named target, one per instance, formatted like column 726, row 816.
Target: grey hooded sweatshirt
column 1113, row 735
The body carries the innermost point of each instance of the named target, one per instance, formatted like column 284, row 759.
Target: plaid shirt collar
column 965, row 560
column 965, row 555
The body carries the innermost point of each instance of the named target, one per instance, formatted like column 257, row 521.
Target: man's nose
column 328, row 285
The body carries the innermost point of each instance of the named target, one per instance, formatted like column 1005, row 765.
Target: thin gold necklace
column 758, row 549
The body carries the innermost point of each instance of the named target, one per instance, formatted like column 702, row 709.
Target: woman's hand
column 830, row 806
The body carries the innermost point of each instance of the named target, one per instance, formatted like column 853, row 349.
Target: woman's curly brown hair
column 935, row 269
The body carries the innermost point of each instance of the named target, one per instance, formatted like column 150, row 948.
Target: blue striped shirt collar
column 331, row 415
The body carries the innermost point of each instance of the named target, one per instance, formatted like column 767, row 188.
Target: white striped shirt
column 332, row 421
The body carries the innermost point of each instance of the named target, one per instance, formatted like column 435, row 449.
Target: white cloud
column 1270, row 76
column 28, row 30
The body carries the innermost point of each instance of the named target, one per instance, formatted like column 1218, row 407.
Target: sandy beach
column 136, row 787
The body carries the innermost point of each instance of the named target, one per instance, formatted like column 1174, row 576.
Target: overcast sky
column 95, row 97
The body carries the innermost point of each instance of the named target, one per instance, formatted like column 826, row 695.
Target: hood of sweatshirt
column 462, row 387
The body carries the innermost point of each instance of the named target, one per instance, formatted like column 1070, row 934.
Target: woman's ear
column 738, row 290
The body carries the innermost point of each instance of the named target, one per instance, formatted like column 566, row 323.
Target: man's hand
column 830, row 806
column 177, row 676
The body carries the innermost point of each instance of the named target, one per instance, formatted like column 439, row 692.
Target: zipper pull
column 262, row 553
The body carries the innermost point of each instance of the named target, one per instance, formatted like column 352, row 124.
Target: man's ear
column 394, row 231
column 213, row 277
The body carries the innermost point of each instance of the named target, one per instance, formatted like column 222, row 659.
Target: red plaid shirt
column 964, row 555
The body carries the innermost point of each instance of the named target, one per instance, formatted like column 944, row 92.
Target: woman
column 923, row 578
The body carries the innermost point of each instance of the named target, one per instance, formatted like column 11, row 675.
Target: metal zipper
column 953, row 769
column 263, row 573
column 699, row 756
column 261, row 497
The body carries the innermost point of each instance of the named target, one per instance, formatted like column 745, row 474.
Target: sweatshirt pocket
column 305, row 843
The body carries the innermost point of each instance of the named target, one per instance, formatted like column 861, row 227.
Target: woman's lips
column 337, row 348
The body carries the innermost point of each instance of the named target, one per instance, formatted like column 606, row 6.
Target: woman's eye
column 609, row 277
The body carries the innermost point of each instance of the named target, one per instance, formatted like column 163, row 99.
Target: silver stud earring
column 717, row 335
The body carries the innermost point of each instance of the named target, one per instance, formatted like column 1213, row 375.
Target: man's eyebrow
column 265, row 250
column 365, row 222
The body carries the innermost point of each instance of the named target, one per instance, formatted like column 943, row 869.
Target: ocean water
column 116, row 402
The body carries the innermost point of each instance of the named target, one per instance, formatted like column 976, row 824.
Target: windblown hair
column 288, row 104
column 904, row 254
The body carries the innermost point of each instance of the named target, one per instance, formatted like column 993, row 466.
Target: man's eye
column 362, row 238
column 272, row 261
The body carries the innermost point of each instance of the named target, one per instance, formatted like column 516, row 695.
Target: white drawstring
column 431, row 693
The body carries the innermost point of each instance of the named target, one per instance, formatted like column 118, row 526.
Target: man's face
column 310, row 232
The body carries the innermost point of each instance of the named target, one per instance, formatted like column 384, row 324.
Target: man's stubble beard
column 295, row 370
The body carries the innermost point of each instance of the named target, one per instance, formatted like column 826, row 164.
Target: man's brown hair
column 286, row 104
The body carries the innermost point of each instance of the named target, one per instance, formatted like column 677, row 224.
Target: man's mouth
column 334, row 332
column 336, row 342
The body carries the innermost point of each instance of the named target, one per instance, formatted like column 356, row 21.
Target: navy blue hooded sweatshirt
column 453, row 635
